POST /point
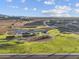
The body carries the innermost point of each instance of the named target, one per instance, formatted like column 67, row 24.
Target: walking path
column 40, row 56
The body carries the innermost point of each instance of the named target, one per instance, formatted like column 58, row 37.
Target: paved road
column 49, row 56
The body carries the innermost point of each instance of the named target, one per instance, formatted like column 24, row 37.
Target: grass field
column 60, row 43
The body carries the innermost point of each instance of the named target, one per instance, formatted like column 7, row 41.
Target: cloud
column 23, row 1
column 25, row 8
column 34, row 9
column 13, row 6
column 63, row 15
column 56, row 14
column 62, row 8
column 58, row 11
column 77, row 4
column 9, row 0
column 76, row 11
column 67, row 0
column 38, row 0
column 49, row 2
column 47, row 11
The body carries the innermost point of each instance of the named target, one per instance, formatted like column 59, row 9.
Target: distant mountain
column 4, row 16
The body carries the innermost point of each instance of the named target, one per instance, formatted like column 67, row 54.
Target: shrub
column 10, row 37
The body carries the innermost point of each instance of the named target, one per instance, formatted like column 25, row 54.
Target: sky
column 40, row 8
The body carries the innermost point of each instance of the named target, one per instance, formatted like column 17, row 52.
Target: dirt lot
column 6, row 25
